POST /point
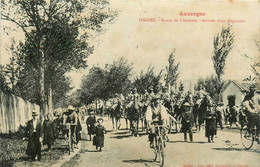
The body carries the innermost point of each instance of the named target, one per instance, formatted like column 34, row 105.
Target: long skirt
column 211, row 127
column 98, row 141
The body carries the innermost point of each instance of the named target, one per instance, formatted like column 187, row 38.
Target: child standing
column 187, row 121
column 100, row 131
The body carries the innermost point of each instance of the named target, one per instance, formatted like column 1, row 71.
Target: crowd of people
column 155, row 108
column 164, row 108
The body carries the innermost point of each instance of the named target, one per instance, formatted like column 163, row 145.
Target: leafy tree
column 172, row 71
column 56, row 37
column 93, row 85
column 104, row 83
column 223, row 44
column 118, row 76
column 147, row 80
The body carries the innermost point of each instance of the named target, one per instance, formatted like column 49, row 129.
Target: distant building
column 235, row 92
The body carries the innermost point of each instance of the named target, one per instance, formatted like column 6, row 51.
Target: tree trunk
column 42, row 90
column 50, row 104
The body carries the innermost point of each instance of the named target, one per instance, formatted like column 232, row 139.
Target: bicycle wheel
column 155, row 150
column 69, row 142
column 161, row 151
column 247, row 137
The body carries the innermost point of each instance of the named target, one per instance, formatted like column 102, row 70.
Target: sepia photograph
column 130, row 83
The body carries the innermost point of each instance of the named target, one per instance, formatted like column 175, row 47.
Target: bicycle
column 159, row 144
column 71, row 141
column 248, row 136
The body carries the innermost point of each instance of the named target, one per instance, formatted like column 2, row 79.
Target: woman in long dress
column 49, row 132
column 211, row 124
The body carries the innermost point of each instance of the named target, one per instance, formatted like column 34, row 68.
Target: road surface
column 123, row 150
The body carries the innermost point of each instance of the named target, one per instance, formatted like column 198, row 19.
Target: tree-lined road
column 121, row 149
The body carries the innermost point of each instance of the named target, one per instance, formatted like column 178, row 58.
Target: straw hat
column 70, row 107
column 186, row 104
column 35, row 113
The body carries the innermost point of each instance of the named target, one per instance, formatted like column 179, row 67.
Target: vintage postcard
column 130, row 83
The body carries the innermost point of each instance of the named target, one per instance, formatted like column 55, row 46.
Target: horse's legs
column 119, row 121
column 113, row 122
column 116, row 123
column 126, row 123
column 142, row 122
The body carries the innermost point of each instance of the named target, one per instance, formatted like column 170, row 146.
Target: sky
column 150, row 43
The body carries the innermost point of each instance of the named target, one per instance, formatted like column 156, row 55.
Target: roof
column 245, row 85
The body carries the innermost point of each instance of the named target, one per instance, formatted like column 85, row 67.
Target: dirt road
column 123, row 150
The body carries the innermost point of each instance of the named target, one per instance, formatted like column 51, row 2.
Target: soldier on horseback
column 116, row 110
column 198, row 115
column 135, row 105
column 165, row 97
column 200, row 95
column 151, row 93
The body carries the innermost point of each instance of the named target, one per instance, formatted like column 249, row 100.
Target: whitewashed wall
column 14, row 111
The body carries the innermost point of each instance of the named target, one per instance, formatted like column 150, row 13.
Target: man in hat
column 187, row 121
column 155, row 114
column 220, row 110
column 91, row 121
column 33, row 132
column 251, row 108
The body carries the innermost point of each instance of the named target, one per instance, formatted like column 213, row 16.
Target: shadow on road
column 121, row 136
column 92, row 151
column 237, row 149
column 147, row 162
column 181, row 141
column 120, row 132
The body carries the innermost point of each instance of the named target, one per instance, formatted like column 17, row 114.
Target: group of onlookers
column 40, row 132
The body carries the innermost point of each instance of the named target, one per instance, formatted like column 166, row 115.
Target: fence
column 14, row 111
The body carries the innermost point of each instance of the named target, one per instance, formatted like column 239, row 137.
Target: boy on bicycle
column 156, row 114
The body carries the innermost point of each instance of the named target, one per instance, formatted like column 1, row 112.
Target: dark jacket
column 187, row 120
column 34, row 145
column 91, row 124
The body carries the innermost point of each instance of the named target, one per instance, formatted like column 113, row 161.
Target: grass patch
column 13, row 148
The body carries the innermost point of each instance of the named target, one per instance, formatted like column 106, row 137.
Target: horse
column 200, row 110
column 133, row 115
column 115, row 114
column 143, row 110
